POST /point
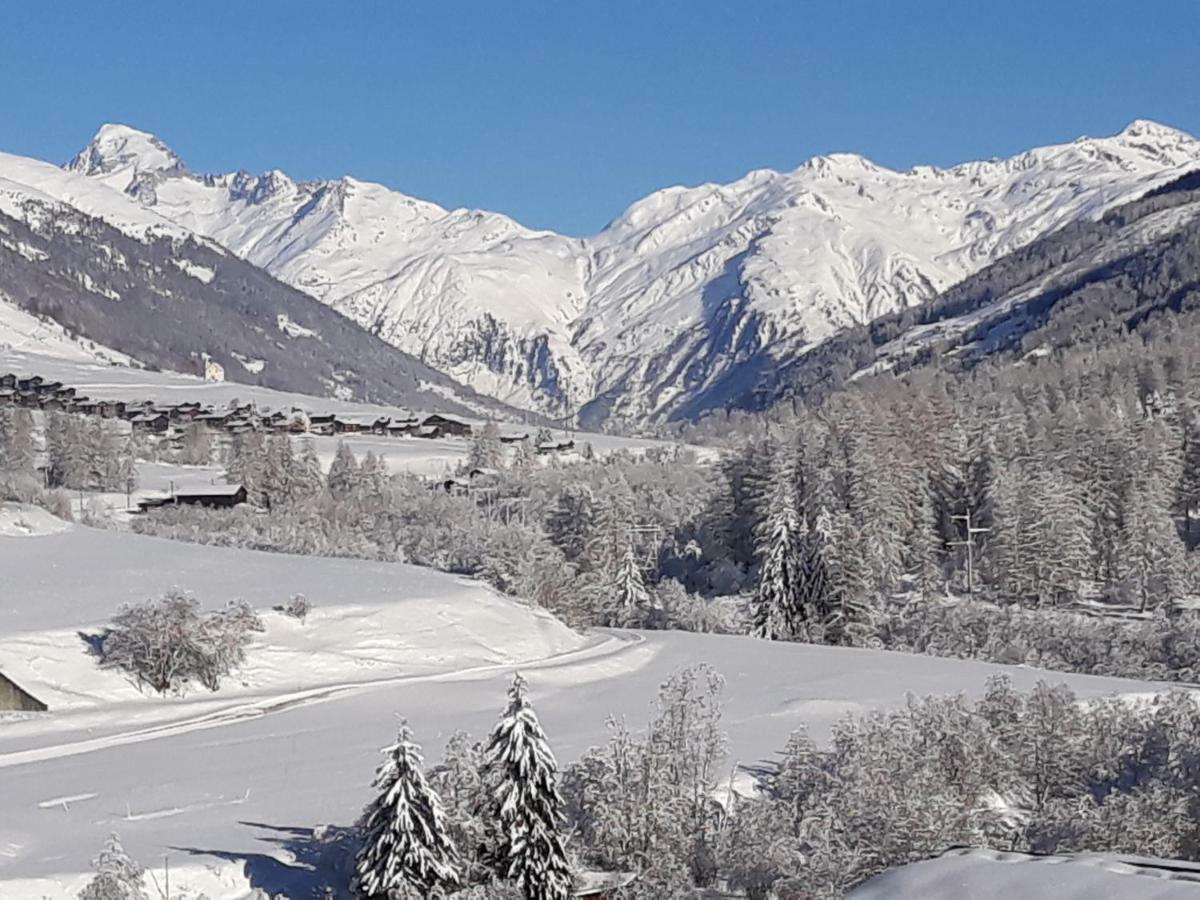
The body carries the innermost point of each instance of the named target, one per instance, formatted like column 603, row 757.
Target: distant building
column 555, row 447
column 151, row 422
column 447, row 425
column 213, row 496
column 14, row 697
column 213, row 370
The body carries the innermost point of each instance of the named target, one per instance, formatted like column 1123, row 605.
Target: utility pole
column 969, row 543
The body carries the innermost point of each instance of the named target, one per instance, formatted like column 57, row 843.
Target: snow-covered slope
column 293, row 741
column 680, row 293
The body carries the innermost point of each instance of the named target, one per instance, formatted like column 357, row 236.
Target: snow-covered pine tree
column 406, row 842
column 528, row 806
column 16, row 447
column 118, row 877
column 778, row 602
column 486, row 450
column 310, row 480
column 631, row 602
column 1150, row 550
column 343, row 473
column 197, row 448
column 247, row 464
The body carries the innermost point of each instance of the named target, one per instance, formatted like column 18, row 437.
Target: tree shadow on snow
column 303, row 863
column 93, row 642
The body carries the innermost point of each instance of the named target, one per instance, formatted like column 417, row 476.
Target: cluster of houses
column 35, row 392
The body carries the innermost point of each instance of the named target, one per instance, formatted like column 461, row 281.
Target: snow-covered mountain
column 87, row 272
column 689, row 292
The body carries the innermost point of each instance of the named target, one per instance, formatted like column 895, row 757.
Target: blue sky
column 563, row 113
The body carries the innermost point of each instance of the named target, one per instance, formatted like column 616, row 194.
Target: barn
column 213, row 496
column 446, row 425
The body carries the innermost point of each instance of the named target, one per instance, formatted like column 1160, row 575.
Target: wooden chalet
column 447, row 426
column 547, row 447
column 322, row 424
column 514, row 438
column 359, row 425
column 111, row 409
column 213, row 496
column 150, row 422
column 401, row 427
column 9, row 381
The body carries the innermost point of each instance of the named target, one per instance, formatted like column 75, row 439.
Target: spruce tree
column 778, row 602
column 406, row 842
column 630, row 604
column 343, row 473
column 528, row 806
column 486, row 450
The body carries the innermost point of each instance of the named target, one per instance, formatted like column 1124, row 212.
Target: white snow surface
column 675, row 293
column 31, row 189
column 973, row 874
column 21, row 331
column 232, row 779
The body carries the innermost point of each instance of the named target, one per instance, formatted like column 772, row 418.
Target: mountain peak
column 119, row 148
column 1150, row 128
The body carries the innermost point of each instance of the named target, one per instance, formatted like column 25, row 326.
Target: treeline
column 845, row 523
column 1081, row 484
column 601, row 542
column 79, row 453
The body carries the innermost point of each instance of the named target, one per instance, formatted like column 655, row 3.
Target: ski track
column 611, row 644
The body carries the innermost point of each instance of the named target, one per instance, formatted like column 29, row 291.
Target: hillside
column 1089, row 283
column 680, row 303
column 136, row 286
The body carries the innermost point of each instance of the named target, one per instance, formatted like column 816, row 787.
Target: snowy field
column 232, row 780
column 992, row 875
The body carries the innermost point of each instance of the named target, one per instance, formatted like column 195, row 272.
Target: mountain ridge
column 686, row 289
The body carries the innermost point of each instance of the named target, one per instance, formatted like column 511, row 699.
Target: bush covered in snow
column 118, row 877
column 166, row 643
column 1034, row 771
column 298, row 607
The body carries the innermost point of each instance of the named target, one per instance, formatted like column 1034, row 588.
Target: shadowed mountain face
column 1091, row 281
column 171, row 301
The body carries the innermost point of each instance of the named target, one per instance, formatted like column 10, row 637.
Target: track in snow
column 611, row 644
